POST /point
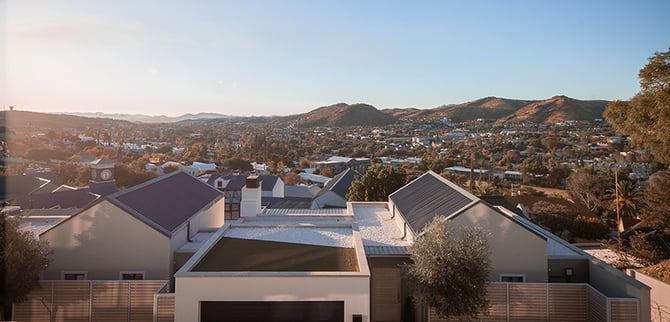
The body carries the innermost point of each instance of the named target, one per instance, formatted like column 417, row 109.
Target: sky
column 249, row 57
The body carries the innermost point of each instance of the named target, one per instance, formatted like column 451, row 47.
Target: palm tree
column 627, row 198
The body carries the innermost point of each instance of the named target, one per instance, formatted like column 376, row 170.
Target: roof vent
column 252, row 182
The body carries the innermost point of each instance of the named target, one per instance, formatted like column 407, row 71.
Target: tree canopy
column 22, row 258
column 450, row 269
column 657, row 210
column 377, row 184
column 647, row 116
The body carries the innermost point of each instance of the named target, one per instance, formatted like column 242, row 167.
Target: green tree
column 22, row 258
column 627, row 200
column 647, row 116
column 586, row 187
column 377, row 184
column 656, row 210
column 450, row 269
column 557, row 218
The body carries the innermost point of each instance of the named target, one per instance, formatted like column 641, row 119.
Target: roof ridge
column 145, row 184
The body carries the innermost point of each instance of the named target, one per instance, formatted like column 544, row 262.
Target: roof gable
column 268, row 182
column 428, row 196
column 340, row 183
column 167, row 201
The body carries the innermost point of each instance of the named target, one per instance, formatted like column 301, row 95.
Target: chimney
column 250, row 205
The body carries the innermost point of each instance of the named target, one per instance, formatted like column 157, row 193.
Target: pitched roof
column 428, row 196
column 340, row 183
column 236, row 181
column 301, row 191
column 78, row 198
column 102, row 161
column 167, row 201
column 268, row 182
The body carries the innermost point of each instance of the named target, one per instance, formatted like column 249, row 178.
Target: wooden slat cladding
column 70, row 301
column 623, row 310
column 597, row 306
column 568, row 303
column 37, row 307
column 90, row 301
column 165, row 308
column 385, row 294
column 550, row 302
column 110, row 301
column 527, row 302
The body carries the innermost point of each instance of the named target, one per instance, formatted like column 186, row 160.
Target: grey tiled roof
column 428, row 196
column 340, row 183
column 167, row 201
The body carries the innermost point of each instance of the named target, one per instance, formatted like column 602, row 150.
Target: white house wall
column 514, row 249
column 190, row 291
column 104, row 240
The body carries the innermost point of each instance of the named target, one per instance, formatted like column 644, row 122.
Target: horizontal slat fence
column 90, row 301
column 550, row 302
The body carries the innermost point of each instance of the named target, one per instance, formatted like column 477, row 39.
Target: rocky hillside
column 557, row 109
column 342, row 115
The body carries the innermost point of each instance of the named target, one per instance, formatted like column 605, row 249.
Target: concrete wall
column 659, row 295
column 615, row 283
column 104, row 240
column 190, row 291
column 212, row 217
column 579, row 266
column 514, row 249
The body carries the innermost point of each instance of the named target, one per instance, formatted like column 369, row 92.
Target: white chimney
column 250, row 204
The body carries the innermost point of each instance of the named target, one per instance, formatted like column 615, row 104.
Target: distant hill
column 24, row 121
column 155, row 118
column 484, row 108
column 557, row 109
column 341, row 115
column 553, row 110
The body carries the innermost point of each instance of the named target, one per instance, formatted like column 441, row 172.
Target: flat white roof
column 376, row 225
column 320, row 233
column 197, row 241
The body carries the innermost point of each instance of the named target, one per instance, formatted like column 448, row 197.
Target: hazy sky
column 248, row 57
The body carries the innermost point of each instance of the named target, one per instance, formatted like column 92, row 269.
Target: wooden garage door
column 317, row 311
column 385, row 294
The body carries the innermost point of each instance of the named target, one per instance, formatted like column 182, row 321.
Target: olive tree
column 450, row 269
column 22, row 258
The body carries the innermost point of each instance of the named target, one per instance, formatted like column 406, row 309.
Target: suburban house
column 338, row 259
column 134, row 233
column 334, row 192
column 327, row 264
column 339, row 164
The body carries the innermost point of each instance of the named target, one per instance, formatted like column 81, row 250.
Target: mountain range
column 501, row 110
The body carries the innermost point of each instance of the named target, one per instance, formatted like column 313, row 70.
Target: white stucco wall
column 211, row 217
column 514, row 249
column 190, row 291
column 104, row 240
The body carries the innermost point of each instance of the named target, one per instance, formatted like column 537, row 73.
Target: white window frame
column 144, row 275
column 501, row 276
column 63, row 273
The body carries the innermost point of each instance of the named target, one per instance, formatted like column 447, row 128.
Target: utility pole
column 619, row 223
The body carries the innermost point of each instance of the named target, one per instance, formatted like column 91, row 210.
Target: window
column 73, row 275
column 219, row 184
column 131, row 276
column 512, row 278
column 232, row 211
